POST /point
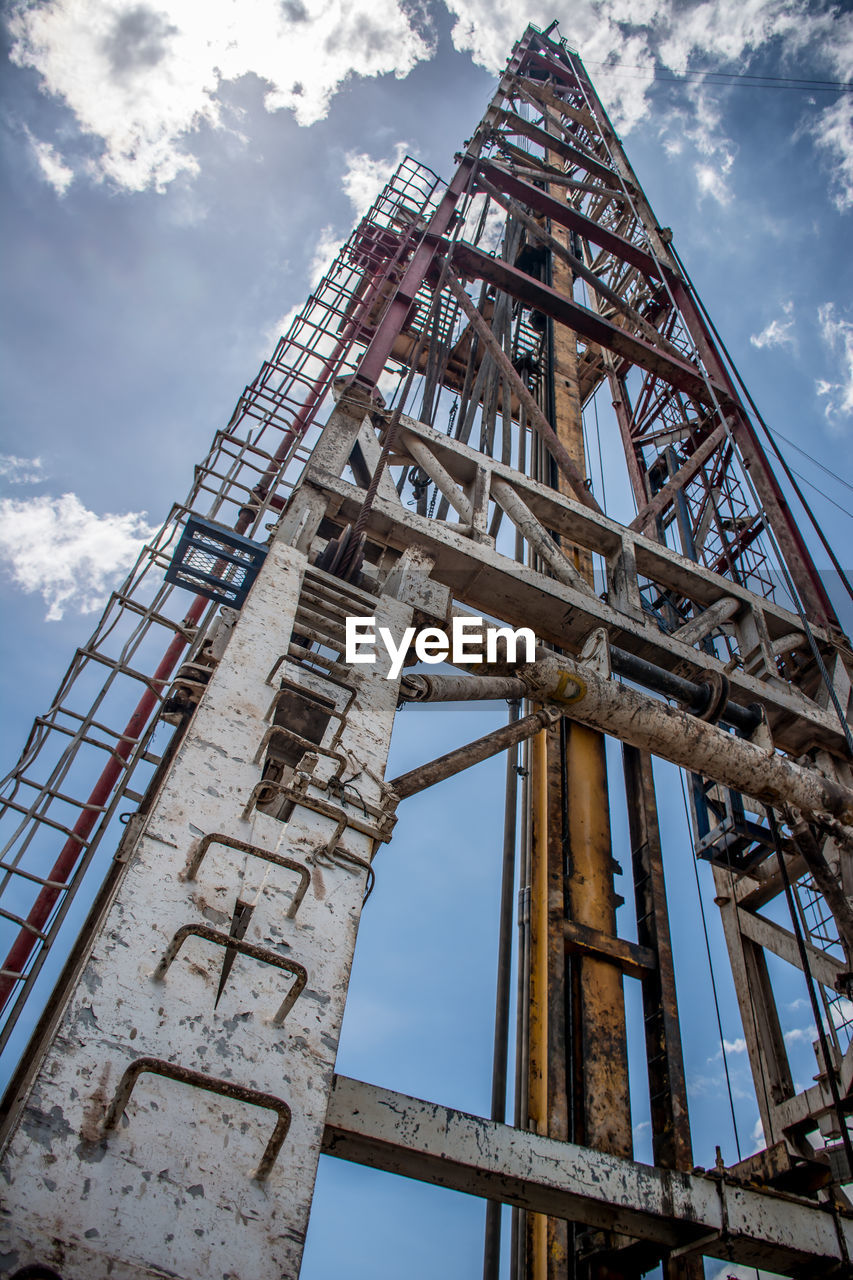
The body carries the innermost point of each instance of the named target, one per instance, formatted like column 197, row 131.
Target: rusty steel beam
column 516, row 124
column 687, row 741
column 565, row 215
column 665, row 496
column 673, row 1210
column 427, row 775
column 535, row 415
column 670, row 1120
column 678, row 373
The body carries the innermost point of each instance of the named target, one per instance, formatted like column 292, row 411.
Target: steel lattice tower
column 247, row 854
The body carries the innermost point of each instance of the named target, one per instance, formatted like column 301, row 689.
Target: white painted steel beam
column 433, row 1143
column 167, row 1134
column 561, row 614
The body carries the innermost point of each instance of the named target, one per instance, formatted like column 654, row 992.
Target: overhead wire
column 847, row 485
column 713, row 980
column 825, row 496
column 769, row 434
column 735, row 79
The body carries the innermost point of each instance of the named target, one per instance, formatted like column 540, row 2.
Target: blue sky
column 176, row 175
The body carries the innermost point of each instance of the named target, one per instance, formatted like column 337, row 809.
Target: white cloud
column 622, row 41
column 141, row 80
column 488, row 28
column 842, row 1012
column 325, row 251
column 837, row 333
column 51, row 165
column 799, row 1034
column 20, row 470
column 735, row 1046
column 364, row 176
column 712, row 182
column 833, row 132
column 68, row 554
column 778, row 333
column 493, row 228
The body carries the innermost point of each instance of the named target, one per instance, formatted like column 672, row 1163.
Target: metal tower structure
column 179, row 1086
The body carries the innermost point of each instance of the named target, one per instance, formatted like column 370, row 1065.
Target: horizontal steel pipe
column 675, row 735
column 695, row 696
column 421, row 688
column 426, row 775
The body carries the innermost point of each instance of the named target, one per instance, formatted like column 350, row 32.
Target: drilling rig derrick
column 329, row 507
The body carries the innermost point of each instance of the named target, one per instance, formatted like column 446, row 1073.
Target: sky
column 176, row 178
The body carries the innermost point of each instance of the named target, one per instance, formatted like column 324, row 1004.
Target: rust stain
column 90, row 1129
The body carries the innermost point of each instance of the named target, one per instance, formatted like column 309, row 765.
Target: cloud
column 833, row 132
column 141, row 82
column 622, row 42
column 365, row 176
column 712, row 182
column 20, row 470
column 493, row 228
column 735, row 1046
column 325, row 251
column 51, row 165
column 842, row 1012
column 778, row 332
column 798, row 1034
column 70, row 555
column 837, row 333
column 141, row 78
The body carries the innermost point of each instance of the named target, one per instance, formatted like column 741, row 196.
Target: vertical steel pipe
column 492, row 1243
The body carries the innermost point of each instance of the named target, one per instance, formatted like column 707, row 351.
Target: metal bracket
column 596, row 653
column 200, row 848
column 198, row 1080
column 244, row 948
column 380, row 831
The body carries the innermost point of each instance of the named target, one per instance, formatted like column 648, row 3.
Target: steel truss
column 711, row 601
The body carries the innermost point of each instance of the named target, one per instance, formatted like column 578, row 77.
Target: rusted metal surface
column 582, row 320
column 243, row 948
column 522, row 596
column 423, row 688
column 605, row 1123
column 549, row 1073
column 675, row 735
column 630, row 958
column 503, row 988
column 427, row 775
column 437, row 1144
column 535, row 414
column 671, row 1144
